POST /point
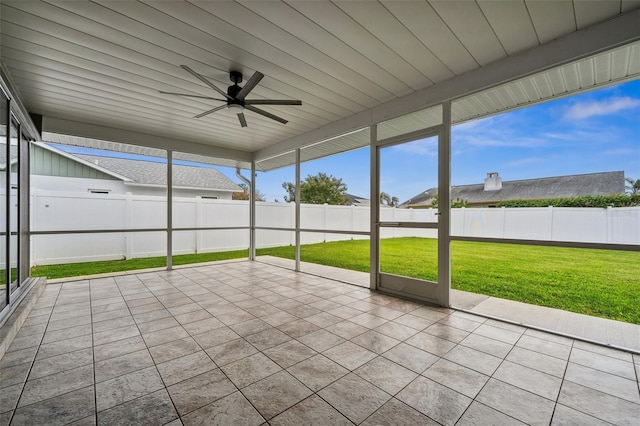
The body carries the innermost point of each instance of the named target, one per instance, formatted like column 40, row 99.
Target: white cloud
column 504, row 140
column 583, row 110
column 425, row 147
column 525, row 161
column 622, row 151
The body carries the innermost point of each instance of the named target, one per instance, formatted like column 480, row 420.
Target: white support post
column 297, row 211
column 169, row 210
column 444, row 203
column 252, row 213
column 374, row 178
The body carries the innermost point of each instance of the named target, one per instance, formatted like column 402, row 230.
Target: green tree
column 318, row 189
column 244, row 194
column 455, row 204
column 389, row 200
column 633, row 186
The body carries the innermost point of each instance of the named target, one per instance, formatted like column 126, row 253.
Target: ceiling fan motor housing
column 235, row 96
column 235, row 76
column 234, row 89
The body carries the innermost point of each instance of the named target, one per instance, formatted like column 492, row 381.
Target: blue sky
column 596, row 131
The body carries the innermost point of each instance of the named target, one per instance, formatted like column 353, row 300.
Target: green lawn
column 593, row 282
column 110, row 266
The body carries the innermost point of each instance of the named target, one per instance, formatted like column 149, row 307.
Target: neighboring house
column 354, row 200
column 55, row 170
column 494, row 190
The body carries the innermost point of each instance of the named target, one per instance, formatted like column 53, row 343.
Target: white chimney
column 492, row 182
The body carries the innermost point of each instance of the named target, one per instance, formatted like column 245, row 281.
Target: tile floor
column 249, row 343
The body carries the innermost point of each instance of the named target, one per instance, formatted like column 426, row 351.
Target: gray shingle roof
column 605, row 183
column 151, row 173
column 355, row 200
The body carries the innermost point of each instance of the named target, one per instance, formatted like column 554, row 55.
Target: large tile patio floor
column 249, row 343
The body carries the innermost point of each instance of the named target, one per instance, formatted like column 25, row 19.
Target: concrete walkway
column 604, row 331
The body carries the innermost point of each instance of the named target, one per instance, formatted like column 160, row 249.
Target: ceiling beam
column 581, row 44
column 94, row 131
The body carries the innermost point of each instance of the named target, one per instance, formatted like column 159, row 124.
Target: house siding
column 47, row 163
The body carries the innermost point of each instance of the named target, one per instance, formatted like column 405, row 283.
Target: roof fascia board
column 18, row 108
column 589, row 41
column 94, row 131
column 82, row 161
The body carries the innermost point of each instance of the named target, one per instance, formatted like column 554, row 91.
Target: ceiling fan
column 235, row 96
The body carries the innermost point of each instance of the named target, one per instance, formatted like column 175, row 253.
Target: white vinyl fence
column 53, row 211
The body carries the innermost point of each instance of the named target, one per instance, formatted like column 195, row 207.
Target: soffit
column 103, row 63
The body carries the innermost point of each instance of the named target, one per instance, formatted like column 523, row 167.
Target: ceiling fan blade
column 191, row 96
column 271, row 102
column 210, row 111
column 249, row 85
column 205, row 81
column 266, row 114
column 243, row 121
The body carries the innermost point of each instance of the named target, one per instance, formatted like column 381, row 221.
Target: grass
column 594, row 282
column 110, row 266
column 602, row 283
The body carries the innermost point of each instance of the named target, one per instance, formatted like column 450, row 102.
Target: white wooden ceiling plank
column 542, row 85
column 183, row 132
column 586, row 72
column 551, row 19
column 10, row 43
column 480, row 105
column 460, row 109
column 194, row 47
column 110, row 29
column 620, row 63
column 602, row 66
column 265, row 30
column 376, row 19
column 110, row 118
column 526, row 94
column 518, row 93
column 571, row 77
column 308, row 31
column 468, row 23
column 511, row 96
column 511, row 22
column 96, row 51
column 250, row 50
column 222, row 120
column 225, row 131
column 333, row 20
column 634, row 60
column 592, row 11
column 150, row 100
column 530, row 87
column 308, row 62
column 490, row 101
column 556, row 81
column 627, row 5
column 497, row 101
column 426, row 25
column 67, row 61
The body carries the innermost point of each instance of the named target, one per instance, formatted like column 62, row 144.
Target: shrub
column 603, row 201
